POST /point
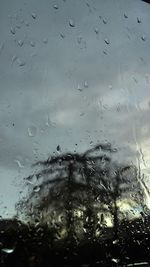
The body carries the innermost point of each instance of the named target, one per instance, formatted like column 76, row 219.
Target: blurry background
column 72, row 73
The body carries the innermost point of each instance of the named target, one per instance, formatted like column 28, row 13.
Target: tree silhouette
column 75, row 181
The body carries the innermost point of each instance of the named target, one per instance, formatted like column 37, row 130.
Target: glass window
column 74, row 131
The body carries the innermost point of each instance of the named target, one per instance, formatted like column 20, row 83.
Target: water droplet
column 62, row 35
column 58, row 148
column 12, row 30
column 32, row 179
column 20, row 43
column 8, row 250
column 107, row 41
column 104, row 52
column 14, row 58
column 45, row 41
column 71, row 23
column 125, row 15
column 115, row 241
column 104, row 21
column 96, row 30
column 32, row 131
column 32, row 43
column 115, row 260
column 19, row 164
column 48, row 121
column 143, row 38
column 55, row 7
column 80, row 88
column 34, row 16
column 86, row 84
column 21, row 62
column 36, row 189
column 138, row 20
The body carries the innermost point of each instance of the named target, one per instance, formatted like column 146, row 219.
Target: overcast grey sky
column 71, row 71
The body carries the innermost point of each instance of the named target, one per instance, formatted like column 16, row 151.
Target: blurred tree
column 90, row 181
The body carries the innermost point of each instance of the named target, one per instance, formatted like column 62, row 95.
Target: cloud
column 43, row 93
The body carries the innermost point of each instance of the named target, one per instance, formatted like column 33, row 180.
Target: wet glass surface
column 74, row 131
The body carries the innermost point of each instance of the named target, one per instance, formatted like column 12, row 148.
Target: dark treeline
column 32, row 245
